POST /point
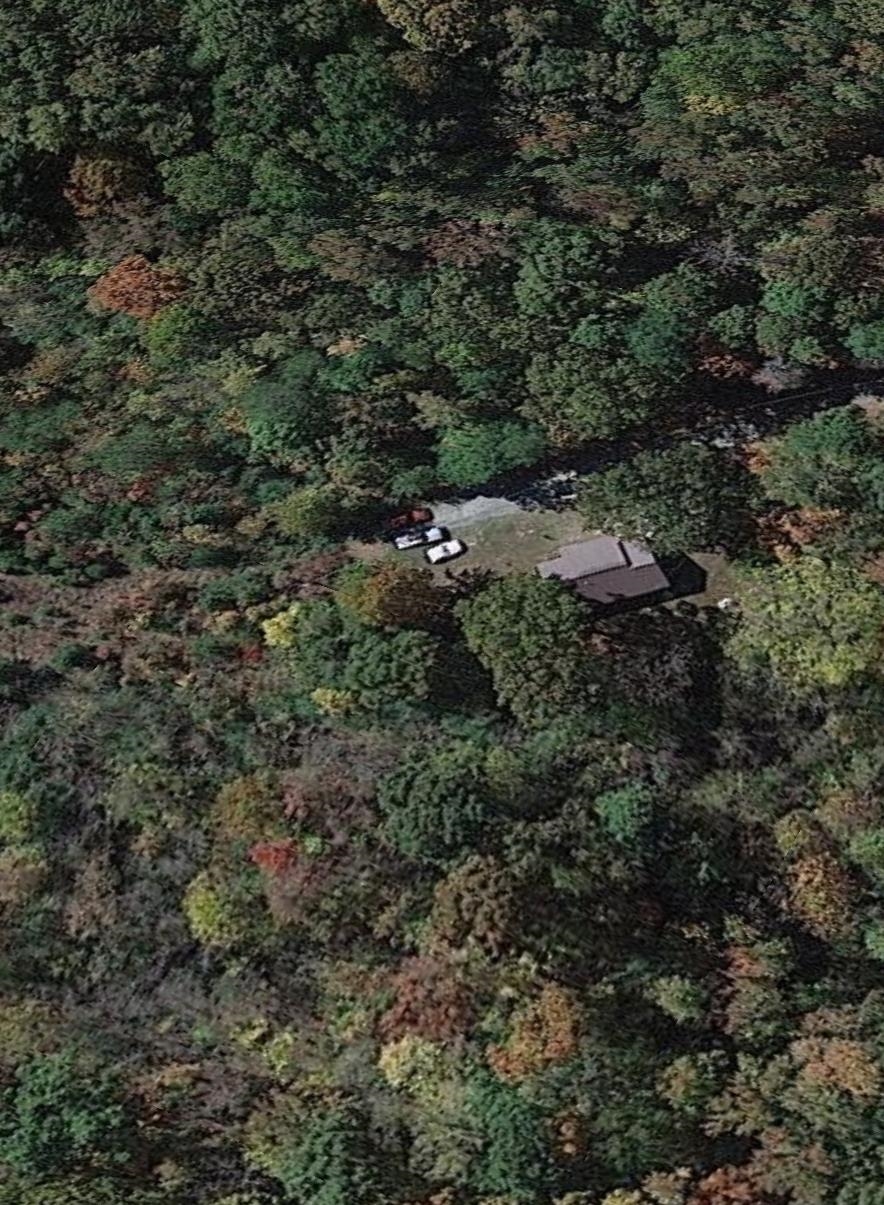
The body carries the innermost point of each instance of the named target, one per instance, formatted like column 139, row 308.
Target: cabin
column 607, row 571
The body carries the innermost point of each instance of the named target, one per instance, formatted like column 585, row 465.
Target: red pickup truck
column 410, row 518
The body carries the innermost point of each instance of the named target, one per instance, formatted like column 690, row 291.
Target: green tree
column 218, row 914
column 321, row 1155
column 684, row 498
column 673, row 306
column 81, row 1190
column 690, row 1081
column 717, row 76
column 59, row 1115
column 529, row 633
column 437, row 803
column 625, row 813
column 149, row 448
column 866, row 341
column 514, row 1161
column 867, row 850
column 284, row 185
column 474, row 454
column 308, row 513
column 206, row 183
column 829, row 461
column 360, row 126
column 816, row 625
column 176, row 334
column 681, row 998
column 384, row 670
column 344, row 665
column 18, row 817
column 390, row 595
column 578, row 397
column 446, row 28
column 285, row 414
column 561, row 269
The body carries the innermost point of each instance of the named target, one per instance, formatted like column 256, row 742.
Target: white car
column 419, row 535
column 445, row 552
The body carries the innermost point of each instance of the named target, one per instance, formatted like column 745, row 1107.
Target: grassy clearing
column 510, row 544
column 515, row 543
column 721, row 580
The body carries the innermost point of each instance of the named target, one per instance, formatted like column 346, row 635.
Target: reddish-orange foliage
column 49, row 366
column 274, row 857
column 556, row 133
column 724, row 365
column 750, row 985
column 92, row 907
column 140, row 490
column 785, row 1167
column 301, row 893
column 343, row 255
column 841, row 1063
column 727, row 1186
column 137, row 287
column 97, row 183
column 136, row 371
column 475, row 905
column 745, row 962
column 783, row 534
column 332, row 887
column 465, row 243
column 248, row 809
column 430, row 1001
column 448, row 1196
column 329, row 800
column 394, row 595
column 821, row 894
column 756, row 457
column 832, row 1021
column 843, row 812
column 546, row 1032
column 605, row 203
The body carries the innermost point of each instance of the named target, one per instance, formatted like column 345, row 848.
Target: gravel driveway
column 455, row 515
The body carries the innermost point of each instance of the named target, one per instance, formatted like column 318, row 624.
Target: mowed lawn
column 722, row 581
column 509, row 544
column 515, row 543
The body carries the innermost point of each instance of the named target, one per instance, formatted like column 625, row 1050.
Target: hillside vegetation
column 329, row 882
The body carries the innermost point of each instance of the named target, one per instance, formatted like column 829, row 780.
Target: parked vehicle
column 410, row 518
column 416, row 536
column 445, row 552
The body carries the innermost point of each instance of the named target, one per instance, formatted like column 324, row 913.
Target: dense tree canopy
column 686, row 497
column 331, row 878
column 815, row 624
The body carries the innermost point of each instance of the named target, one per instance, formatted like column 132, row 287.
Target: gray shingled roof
column 599, row 555
column 607, row 570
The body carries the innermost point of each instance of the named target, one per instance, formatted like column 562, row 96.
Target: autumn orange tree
column 137, row 287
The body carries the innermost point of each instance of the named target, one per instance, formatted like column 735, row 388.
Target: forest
column 330, row 879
